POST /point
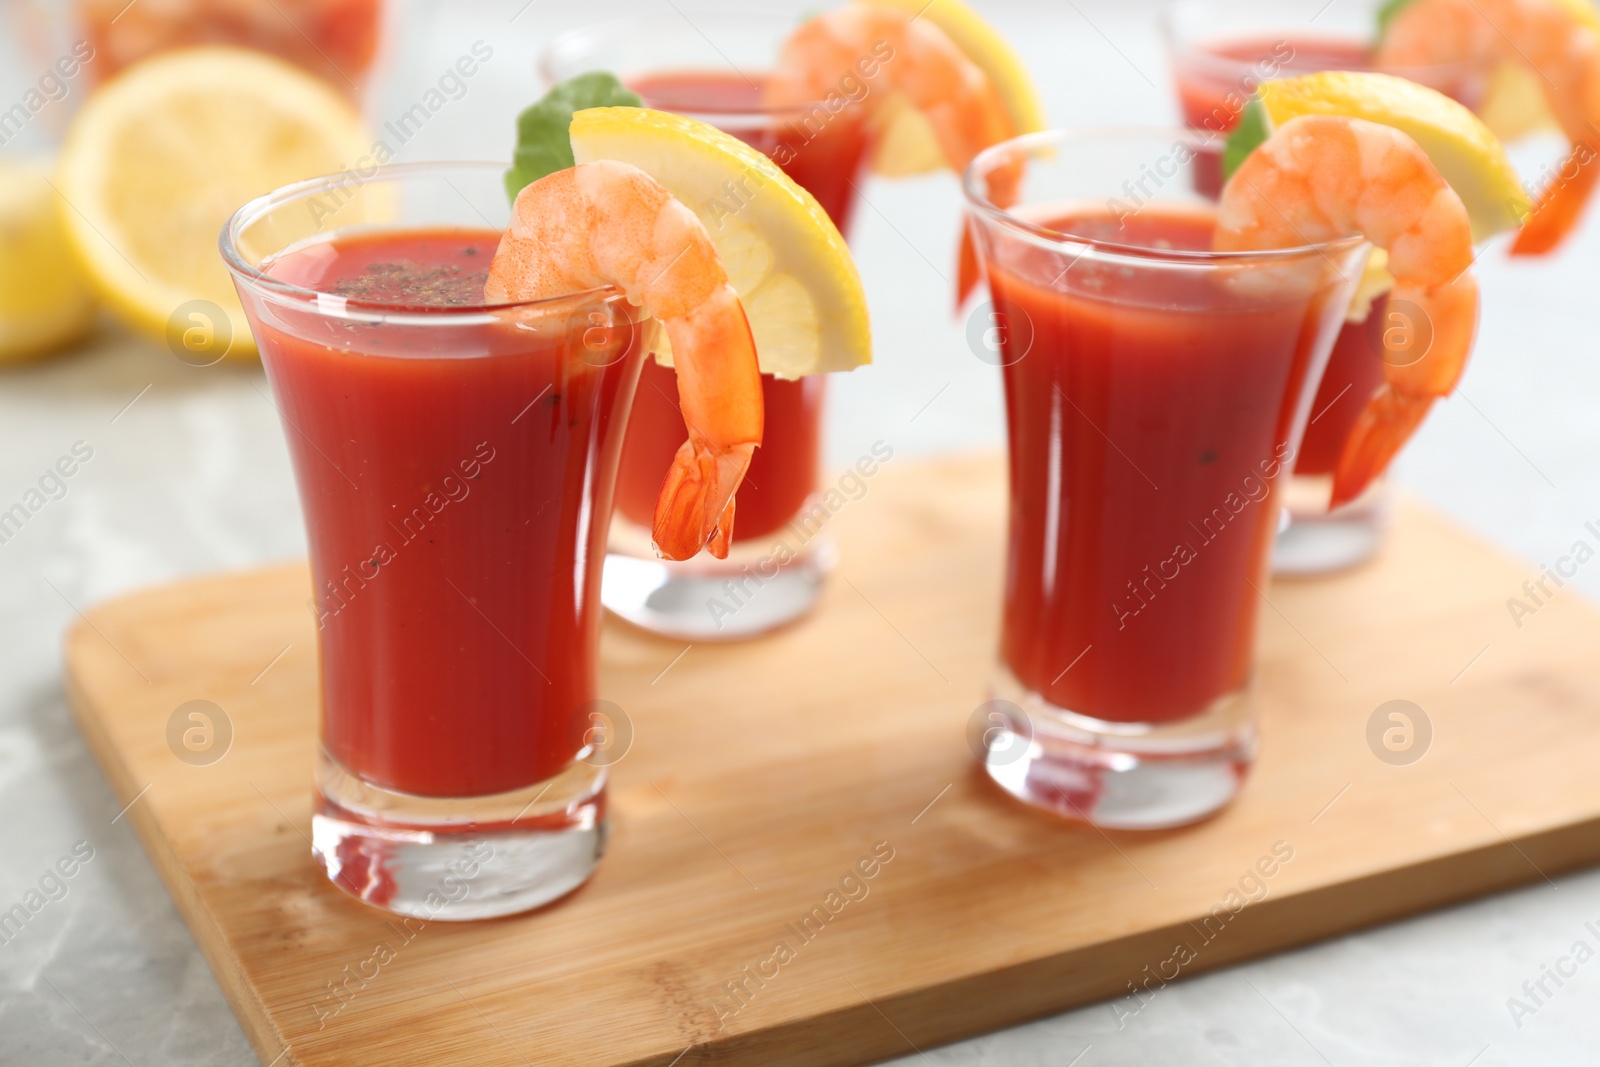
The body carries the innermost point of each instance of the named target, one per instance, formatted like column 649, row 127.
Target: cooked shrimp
column 888, row 51
column 1324, row 177
column 1544, row 36
column 610, row 223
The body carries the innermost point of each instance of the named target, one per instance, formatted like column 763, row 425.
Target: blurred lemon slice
column 45, row 299
column 784, row 257
column 164, row 153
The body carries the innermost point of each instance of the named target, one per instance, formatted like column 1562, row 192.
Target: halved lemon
column 784, row 257
column 1463, row 149
column 906, row 144
column 45, row 300
column 161, row 155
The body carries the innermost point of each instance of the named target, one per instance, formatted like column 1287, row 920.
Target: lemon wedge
column 45, row 301
column 906, row 143
column 161, row 155
column 1514, row 104
column 784, row 257
column 1463, row 149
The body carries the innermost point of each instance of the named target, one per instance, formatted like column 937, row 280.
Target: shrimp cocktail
column 455, row 398
column 891, row 87
column 1160, row 359
column 1522, row 65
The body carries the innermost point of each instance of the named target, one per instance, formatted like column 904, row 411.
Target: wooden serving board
column 762, row 774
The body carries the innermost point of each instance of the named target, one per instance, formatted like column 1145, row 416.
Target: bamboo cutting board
column 762, row 774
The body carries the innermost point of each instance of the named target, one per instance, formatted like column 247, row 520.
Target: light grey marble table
column 189, row 474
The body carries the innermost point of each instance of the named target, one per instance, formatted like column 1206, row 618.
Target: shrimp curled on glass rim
column 608, row 223
column 1548, row 38
column 891, row 51
column 1321, row 178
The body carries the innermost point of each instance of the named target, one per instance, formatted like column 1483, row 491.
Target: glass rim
column 616, row 27
column 1045, row 142
column 335, row 305
column 1191, row 50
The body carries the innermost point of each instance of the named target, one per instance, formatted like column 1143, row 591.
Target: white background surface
column 194, row 477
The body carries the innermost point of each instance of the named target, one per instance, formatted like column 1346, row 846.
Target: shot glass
column 1156, row 393
column 1221, row 51
column 782, row 551
column 456, row 463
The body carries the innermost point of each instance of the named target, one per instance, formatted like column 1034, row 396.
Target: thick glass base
column 454, row 859
column 1126, row 776
column 1318, row 541
column 761, row 586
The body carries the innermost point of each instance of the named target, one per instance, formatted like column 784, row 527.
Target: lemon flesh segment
column 906, row 145
column 784, row 257
column 1586, row 12
column 1514, row 104
column 160, row 157
column 1375, row 282
column 45, row 299
column 1463, row 149
column 991, row 52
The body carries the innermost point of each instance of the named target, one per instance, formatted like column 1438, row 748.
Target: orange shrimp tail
column 1385, row 425
column 719, row 393
column 722, row 540
column 1558, row 210
column 695, row 508
column 1005, row 183
column 1409, row 389
column 968, row 273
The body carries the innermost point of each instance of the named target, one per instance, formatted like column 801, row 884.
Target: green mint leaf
column 1246, row 137
column 1387, row 12
column 543, row 144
